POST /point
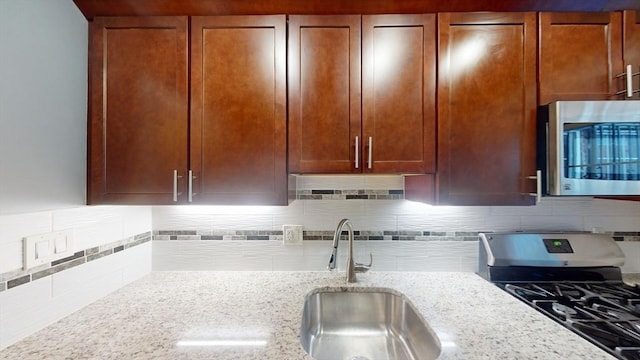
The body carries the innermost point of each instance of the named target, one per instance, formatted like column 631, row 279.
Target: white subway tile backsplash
column 269, row 248
column 11, row 256
column 429, row 263
column 450, row 222
column 300, row 263
column 374, row 223
column 631, row 251
column 321, row 222
column 378, row 182
column 138, row 262
column 543, row 208
column 337, row 209
column 136, row 220
column 92, row 225
column 553, row 223
column 51, row 294
column 14, row 227
column 242, row 221
column 606, row 222
column 24, row 310
column 322, row 182
column 183, row 218
column 27, row 308
column 383, row 262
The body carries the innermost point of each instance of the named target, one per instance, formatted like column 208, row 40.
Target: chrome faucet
column 352, row 268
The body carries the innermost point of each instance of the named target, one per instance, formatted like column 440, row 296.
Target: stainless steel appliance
column 590, row 147
column 573, row 278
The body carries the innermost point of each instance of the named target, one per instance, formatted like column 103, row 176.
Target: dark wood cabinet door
column 398, row 93
column 486, row 108
column 631, row 47
column 324, row 94
column 138, row 110
column 580, row 56
column 238, row 109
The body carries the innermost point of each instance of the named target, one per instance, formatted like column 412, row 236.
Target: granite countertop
column 180, row 315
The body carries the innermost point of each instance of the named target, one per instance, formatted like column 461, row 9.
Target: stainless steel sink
column 365, row 324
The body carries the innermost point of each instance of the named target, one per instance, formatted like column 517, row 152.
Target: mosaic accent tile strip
column 367, row 235
column 626, row 235
column 350, row 194
column 314, row 235
column 19, row 277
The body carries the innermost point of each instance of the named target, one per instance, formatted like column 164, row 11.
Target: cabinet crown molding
column 92, row 8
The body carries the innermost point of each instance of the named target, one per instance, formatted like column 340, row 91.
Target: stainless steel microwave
column 590, row 147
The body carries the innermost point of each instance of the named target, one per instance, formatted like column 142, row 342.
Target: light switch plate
column 44, row 248
column 292, row 234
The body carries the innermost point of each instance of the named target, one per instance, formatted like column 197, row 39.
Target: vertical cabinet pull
column 628, row 81
column 175, row 185
column 538, row 179
column 370, row 152
column 190, row 182
column 357, row 152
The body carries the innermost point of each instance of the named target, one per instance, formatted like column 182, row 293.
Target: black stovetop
column 607, row 313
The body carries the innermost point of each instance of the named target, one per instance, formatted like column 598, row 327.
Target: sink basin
column 365, row 324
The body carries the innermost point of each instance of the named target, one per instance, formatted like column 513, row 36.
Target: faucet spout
column 352, row 267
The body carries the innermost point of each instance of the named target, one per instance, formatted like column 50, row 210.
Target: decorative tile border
column 12, row 279
column 350, row 194
column 626, row 235
column 366, row 235
column 314, row 235
column 217, row 235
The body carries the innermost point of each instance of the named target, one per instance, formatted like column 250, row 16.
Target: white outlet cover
column 44, row 248
column 292, row 234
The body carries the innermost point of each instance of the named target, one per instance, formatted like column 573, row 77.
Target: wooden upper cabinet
column 324, row 94
column 486, row 108
column 238, row 109
column 631, row 46
column 398, row 93
column 138, row 105
column 378, row 119
column 580, row 56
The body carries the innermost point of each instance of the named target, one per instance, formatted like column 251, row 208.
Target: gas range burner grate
column 607, row 314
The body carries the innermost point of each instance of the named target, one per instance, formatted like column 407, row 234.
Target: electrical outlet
column 45, row 248
column 292, row 234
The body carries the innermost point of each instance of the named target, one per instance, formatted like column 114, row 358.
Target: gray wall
column 43, row 105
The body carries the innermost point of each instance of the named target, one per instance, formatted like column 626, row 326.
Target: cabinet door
column 398, row 93
column 138, row 110
column 324, row 94
column 631, row 46
column 486, row 108
column 580, row 56
column 238, row 109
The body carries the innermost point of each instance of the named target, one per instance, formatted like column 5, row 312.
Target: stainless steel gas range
column 573, row 278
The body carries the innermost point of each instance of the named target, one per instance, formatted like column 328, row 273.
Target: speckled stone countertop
column 187, row 315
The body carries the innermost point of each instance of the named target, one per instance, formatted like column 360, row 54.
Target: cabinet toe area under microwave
column 590, row 147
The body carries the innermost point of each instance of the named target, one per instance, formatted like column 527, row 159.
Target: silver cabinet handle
column 370, row 151
column 629, row 81
column 175, row 185
column 538, row 179
column 190, row 194
column 190, row 182
column 357, row 152
column 628, row 77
